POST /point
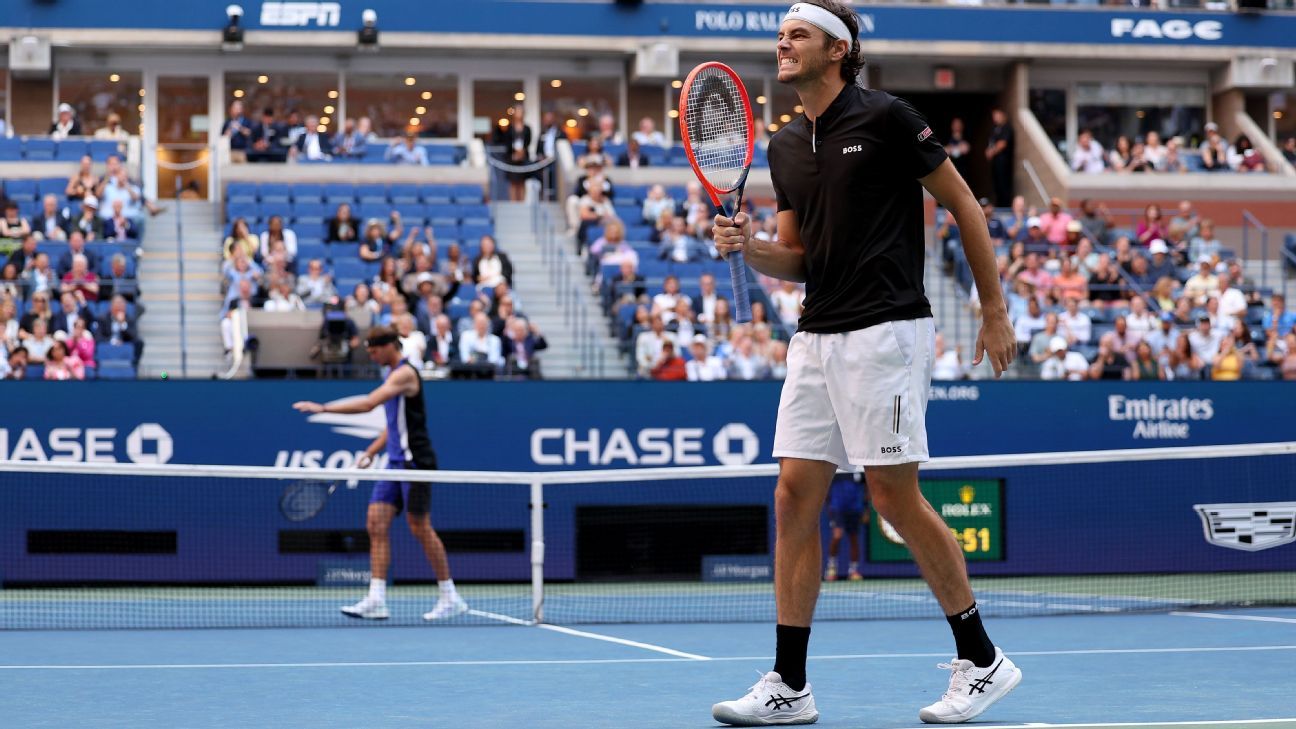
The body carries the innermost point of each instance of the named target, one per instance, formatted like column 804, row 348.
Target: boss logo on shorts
column 892, row 449
column 856, row 148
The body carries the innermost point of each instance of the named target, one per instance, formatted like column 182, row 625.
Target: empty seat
column 39, row 149
column 21, row 190
column 310, row 192
column 371, row 194
column 241, row 191
column 101, row 149
column 467, row 194
column 440, row 194
column 274, row 192
column 115, row 371
column 52, row 186
column 404, row 194
column 11, row 149
column 71, row 150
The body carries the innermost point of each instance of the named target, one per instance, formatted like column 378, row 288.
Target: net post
column 537, row 551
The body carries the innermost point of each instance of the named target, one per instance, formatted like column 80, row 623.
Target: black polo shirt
column 852, row 180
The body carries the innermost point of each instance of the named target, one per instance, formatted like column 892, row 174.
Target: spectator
column 1151, row 226
column 38, row 311
column 1027, row 324
column 1205, row 340
column 745, row 363
column 1035, row 239
column 702, row 365
column 1119, row 157
column 89, row 223
column 83, row 181
column 442, row 347
column 787, row 301
column 269, row 140
column 1088, row 154
column 655, row 203
column 1214, row 150
column 1205, row 244
column 76, row 247
column 668, row 367
column 1137, row 162
column 407, row 151
column 514, row 138
column 607, row 130
column 1243, row 157
column 386, row 284
column 112, row 129
column 1285, row 358
column 648, row 345
column 345, row 143
column 413, row 342
column 1186, row 218
column 1139, row 321
column 594, row 174
column 1071, row 283
column 1289, row 149
column 1039, row 279
column 1162, row 294
column 116, row 185
column 238, row 129
column 632, row 157
column 60, row 365
column 1203, row 283
column 343, row 228
column 594, row 209
column 998, row 235
column 1017, row 218
column 1228, row 362
column 1173, row 161
column 491, row 268
column 282, row 297
column 678, row 246
column 81, row 343
column 1160, row 266
column 276, row 232
column 1232, row 302
column 479, row 346
column 522, row 339
column 69, row 312
column 957, row 147
column 8, row 323
column 240, row 240
column 15, row 368
column 24, row 255
column 39, row 277
column 311, row 144
column 118, row 227
column 1063, row 364
column 39, row 342
column 1042, row 341
column 376, row 245
column 118, row 283
column 13, row 225
column 1164, row 338
column 1154, row 151
column 1146, row 365
column 999, row 153
column 1278, row 317
column 595, row 157
column 80, row 281
column 610, row 250
column 66, row 125
column 1110, row 363
column 242, row 268
column 664, row 303
column 948, row 363
column 1075, row 324
column 11, row 286
column 53, row 222
column 648, row 136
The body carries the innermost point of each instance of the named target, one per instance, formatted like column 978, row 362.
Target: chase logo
column 1249, row 527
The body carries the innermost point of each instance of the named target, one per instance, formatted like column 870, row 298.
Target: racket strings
column 717, row 127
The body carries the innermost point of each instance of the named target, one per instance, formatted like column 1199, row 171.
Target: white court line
column 684, row 658
column 1213, row 722
column 1220, row 616
column 591, row 636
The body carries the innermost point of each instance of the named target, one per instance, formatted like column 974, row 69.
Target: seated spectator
column 504, row 310
column 1229, row 362
column 1139, row 321
column 521, row 340
column 722, row 324
column 70, row 310
column 1162, row 295
column 1071, row 283
column 1088, row 154
column 413, row 342
column 282, row 297
column 346, row 142
column 38, row 343
column 947, row 363
column 1205, row 244
column 375, row 245
column 1202, row 284
column 704, row 304
column 15, row 367
column 629, row 284
column 1173, row 161
column 1035, row 238
column 89, row 224
column 82, row 182
column 238, row 129
column 112, row 129
column 1042, row 341
column 1063, row 364
column 81, row 343
column 360, row 306
column 669, row 367
column 1027, row 324
column 1033, row 274
column 1140, row 276
column 81, row 282
column 242, row 268
column 1214, row 149
column 269, row 140
column 1076, row 325
column 276, row 231
column 1163, row 339
column 66, row 125
column 648, row 136
column 76, row 247
column 1154, row 152
column 478, row 345
column 343, row 228
column 683, row 325
column 595, row 157
column 1161, row 266
column 1146, row 365
column 648, row 345
column 594, row 209
column 632, row 157
column 1118, row 159
column 1085, row 258
column 39, row 310
column 1015, row 223
column 39, row 277
column 607, row 130
column 13, row 225
column 117, row 185
column 1151, row 226
column 491, row 268
column 1110, row 363
column 53, row 222
column 998, row 234
column 311, row 143
column 1278, row 317
column 1289, row 149
column 664, row 304
column 745, row 363
column 787, row 301
column 655, row 203
column 60, row 365
column 611, row 250
column 1243, row 156
column 442, row 346
column 679, row 246
column 1232, row 302
column 118, row 227
column 1205, row 340
column 8, row 323
column 240, row 240
column 1285, row 357
column 386, row 284
column 407, row 151
column 703, row 365
column 11, row 285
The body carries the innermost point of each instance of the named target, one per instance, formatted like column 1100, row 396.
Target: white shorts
column 858, row 398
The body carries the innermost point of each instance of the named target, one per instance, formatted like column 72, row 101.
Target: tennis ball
column 164, row 374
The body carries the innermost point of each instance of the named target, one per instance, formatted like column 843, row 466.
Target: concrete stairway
column 159, row 274
column 568, row 315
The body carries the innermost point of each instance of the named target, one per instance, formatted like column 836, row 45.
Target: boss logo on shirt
column 856, row 148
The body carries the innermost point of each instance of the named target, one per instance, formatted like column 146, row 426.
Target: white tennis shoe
column 972, row 690
column 447, row 607
column 367, row 609
column 768, row 702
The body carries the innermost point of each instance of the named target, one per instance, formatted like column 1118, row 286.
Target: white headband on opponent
column 821, row 19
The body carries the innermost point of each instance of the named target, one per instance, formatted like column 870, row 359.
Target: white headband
column 821, row 19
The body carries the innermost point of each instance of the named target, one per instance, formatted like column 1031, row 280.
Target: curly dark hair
column 853, row 62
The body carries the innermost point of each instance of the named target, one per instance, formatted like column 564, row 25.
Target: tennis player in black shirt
column 849, row 177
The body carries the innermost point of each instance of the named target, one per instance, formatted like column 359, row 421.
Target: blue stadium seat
column 20, row 190
column 274, row 192
column 115, row 371
column 11, row 149
column 639, row 232
column 475, row 213
column 101, row 149
column 438, row 154
column 35, row 372
column 442, row 213
column 53, row 186
column 374, row 154
column 309, row 226
column 412, row 214
column 275, row 207
column 474, row 233
column 629, row 213
column 29, row 209
column 338, row 192
column 248, row 210
column 114, row 354
column 579, row 147
column 465, row 294
column 39, row 149
column 241, row 192
column 439, row 194
column 404, row 194
column 346, row 284
column 446, row 232
column 350, row 268
column 656, row 156
column 71, row 150
column 308, row 251
column 372, row 211
column 467, row 194
column 370, row 194
column 309, row 192
column 678, row 157
column 614, row 150
column 312, row 209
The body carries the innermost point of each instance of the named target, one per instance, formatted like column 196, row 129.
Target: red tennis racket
column 715, row 121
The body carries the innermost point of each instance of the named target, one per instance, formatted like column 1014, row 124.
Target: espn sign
column 297, row 15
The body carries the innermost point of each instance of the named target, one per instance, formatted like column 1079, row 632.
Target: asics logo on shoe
column 978, row 686
column 780, row 702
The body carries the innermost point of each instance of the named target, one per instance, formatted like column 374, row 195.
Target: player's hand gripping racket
column 715, row 121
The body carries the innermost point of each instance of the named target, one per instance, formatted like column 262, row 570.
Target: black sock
column 790, row 655
column 970, row 637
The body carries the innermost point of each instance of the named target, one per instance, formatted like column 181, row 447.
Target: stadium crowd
column 1148, row 153
column 1164, row 300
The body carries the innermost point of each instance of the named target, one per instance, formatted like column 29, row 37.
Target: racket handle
column 738, row 278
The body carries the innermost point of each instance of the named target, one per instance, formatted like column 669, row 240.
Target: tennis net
column 174, row 546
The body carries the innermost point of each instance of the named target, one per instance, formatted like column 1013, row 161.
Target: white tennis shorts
column 858, row 398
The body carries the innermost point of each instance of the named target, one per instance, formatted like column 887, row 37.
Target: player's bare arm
column 399, row 382
column 996, row 339
column 783, row 258
column 375, row 447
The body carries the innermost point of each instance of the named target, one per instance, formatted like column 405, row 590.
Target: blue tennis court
column 1190, row 669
